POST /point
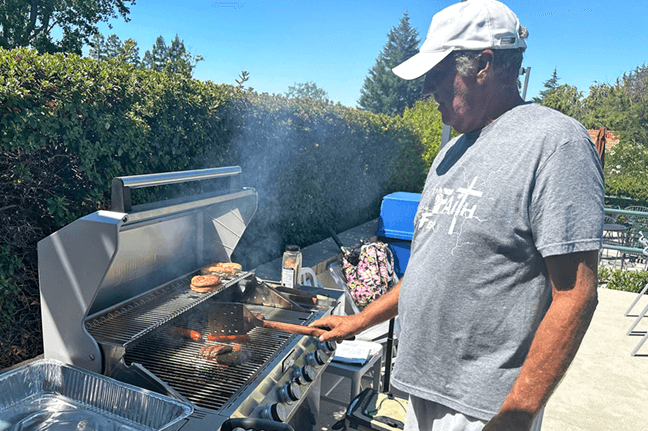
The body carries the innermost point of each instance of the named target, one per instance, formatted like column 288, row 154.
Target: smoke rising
column 314, row 165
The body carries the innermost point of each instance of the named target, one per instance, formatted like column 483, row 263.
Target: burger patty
column 205, row 283
column 205, row 280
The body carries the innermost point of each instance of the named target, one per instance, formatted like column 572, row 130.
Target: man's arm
column 344, row 327
column 574, row 283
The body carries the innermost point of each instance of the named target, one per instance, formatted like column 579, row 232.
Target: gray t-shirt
column 496, row 202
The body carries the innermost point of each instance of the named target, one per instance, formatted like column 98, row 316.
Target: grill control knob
column 305, row 374
column 274, row 412
column 316, row 358
column 290, row 392
column 326, row 346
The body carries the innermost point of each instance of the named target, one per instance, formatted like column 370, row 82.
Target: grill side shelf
column 132, row 319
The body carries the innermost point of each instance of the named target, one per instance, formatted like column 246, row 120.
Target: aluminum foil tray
column 49, row 395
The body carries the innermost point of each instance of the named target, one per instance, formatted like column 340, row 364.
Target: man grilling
column 501, row 282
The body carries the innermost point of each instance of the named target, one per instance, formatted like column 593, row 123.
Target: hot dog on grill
column 185, row 333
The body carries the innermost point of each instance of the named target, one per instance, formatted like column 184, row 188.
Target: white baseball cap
column 469, row 25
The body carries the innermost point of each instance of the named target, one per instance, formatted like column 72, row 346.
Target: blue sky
column 335, row 43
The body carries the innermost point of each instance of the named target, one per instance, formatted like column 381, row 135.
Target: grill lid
column 109, row 257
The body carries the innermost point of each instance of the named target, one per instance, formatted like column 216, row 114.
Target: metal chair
column 636, row 220
column 636, row 300
column 636, row 208
column 614, row 234
column 637, row 238
column 640, row 316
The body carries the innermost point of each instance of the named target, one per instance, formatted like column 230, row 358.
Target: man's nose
column 428, row 85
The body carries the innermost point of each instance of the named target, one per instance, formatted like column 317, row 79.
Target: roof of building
column 611, row 137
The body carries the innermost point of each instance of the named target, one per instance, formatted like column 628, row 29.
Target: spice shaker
column 291, row 263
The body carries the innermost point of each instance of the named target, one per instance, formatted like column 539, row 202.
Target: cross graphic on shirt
column 461, row 208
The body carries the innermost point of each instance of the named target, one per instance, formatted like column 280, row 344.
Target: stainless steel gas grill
column 115, row 286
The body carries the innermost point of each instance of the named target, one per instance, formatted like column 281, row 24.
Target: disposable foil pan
column 49, row 395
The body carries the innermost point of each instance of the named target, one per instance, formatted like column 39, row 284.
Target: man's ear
column 485, row 65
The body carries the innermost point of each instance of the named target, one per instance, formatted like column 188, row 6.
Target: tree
column 622, row 106
column 602, row 107
column 244, row 76
column 180, row 60
column 550, row 85
column 113, row 48
column 566, row 99
column 129, row 52
column 156, row 58
column 635, row 87
column 173, row 59
column 635, row 84
column 383, row 91
column 308, row 90
column 98, row 47
column 29, row 23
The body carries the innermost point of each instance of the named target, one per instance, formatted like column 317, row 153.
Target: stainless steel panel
column 72, row 263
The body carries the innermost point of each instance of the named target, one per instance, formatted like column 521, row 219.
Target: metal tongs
column 233, row 318
column 352, row 256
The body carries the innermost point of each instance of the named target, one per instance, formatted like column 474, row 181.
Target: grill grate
column 206, row 383
column 125, row 323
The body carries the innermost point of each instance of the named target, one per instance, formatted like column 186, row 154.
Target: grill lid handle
column 120, row 199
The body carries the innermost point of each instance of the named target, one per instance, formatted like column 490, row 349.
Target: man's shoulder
column 546, row 114
column 543, row 121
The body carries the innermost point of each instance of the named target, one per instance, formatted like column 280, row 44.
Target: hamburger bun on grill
column 225, row 271
column 222, row 269
column 233, row 265
column 209, row 269
column 205, row 283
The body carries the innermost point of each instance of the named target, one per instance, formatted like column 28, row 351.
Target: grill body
column 113, row 284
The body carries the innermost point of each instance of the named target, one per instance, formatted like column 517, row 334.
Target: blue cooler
column 396, row 226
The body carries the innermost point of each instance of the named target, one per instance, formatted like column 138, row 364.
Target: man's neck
column 498, row 102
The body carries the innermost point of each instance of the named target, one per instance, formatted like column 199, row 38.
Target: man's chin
column 444, row 116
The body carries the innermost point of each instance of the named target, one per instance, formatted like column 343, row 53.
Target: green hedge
column 618, row 279
column 68, row 125
column 632, row 186
column 425, row 120
column 315, row 165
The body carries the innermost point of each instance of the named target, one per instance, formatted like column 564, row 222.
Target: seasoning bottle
column 291, row 266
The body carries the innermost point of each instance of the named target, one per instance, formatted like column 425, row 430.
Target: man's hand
column 344, row 327
column 340, row 327
column 510, row 421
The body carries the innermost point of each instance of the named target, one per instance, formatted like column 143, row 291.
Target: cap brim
column 420, row 64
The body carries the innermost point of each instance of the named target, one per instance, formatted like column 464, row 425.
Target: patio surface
column 606, row 388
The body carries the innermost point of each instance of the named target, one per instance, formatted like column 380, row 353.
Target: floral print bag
column 373, row 275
